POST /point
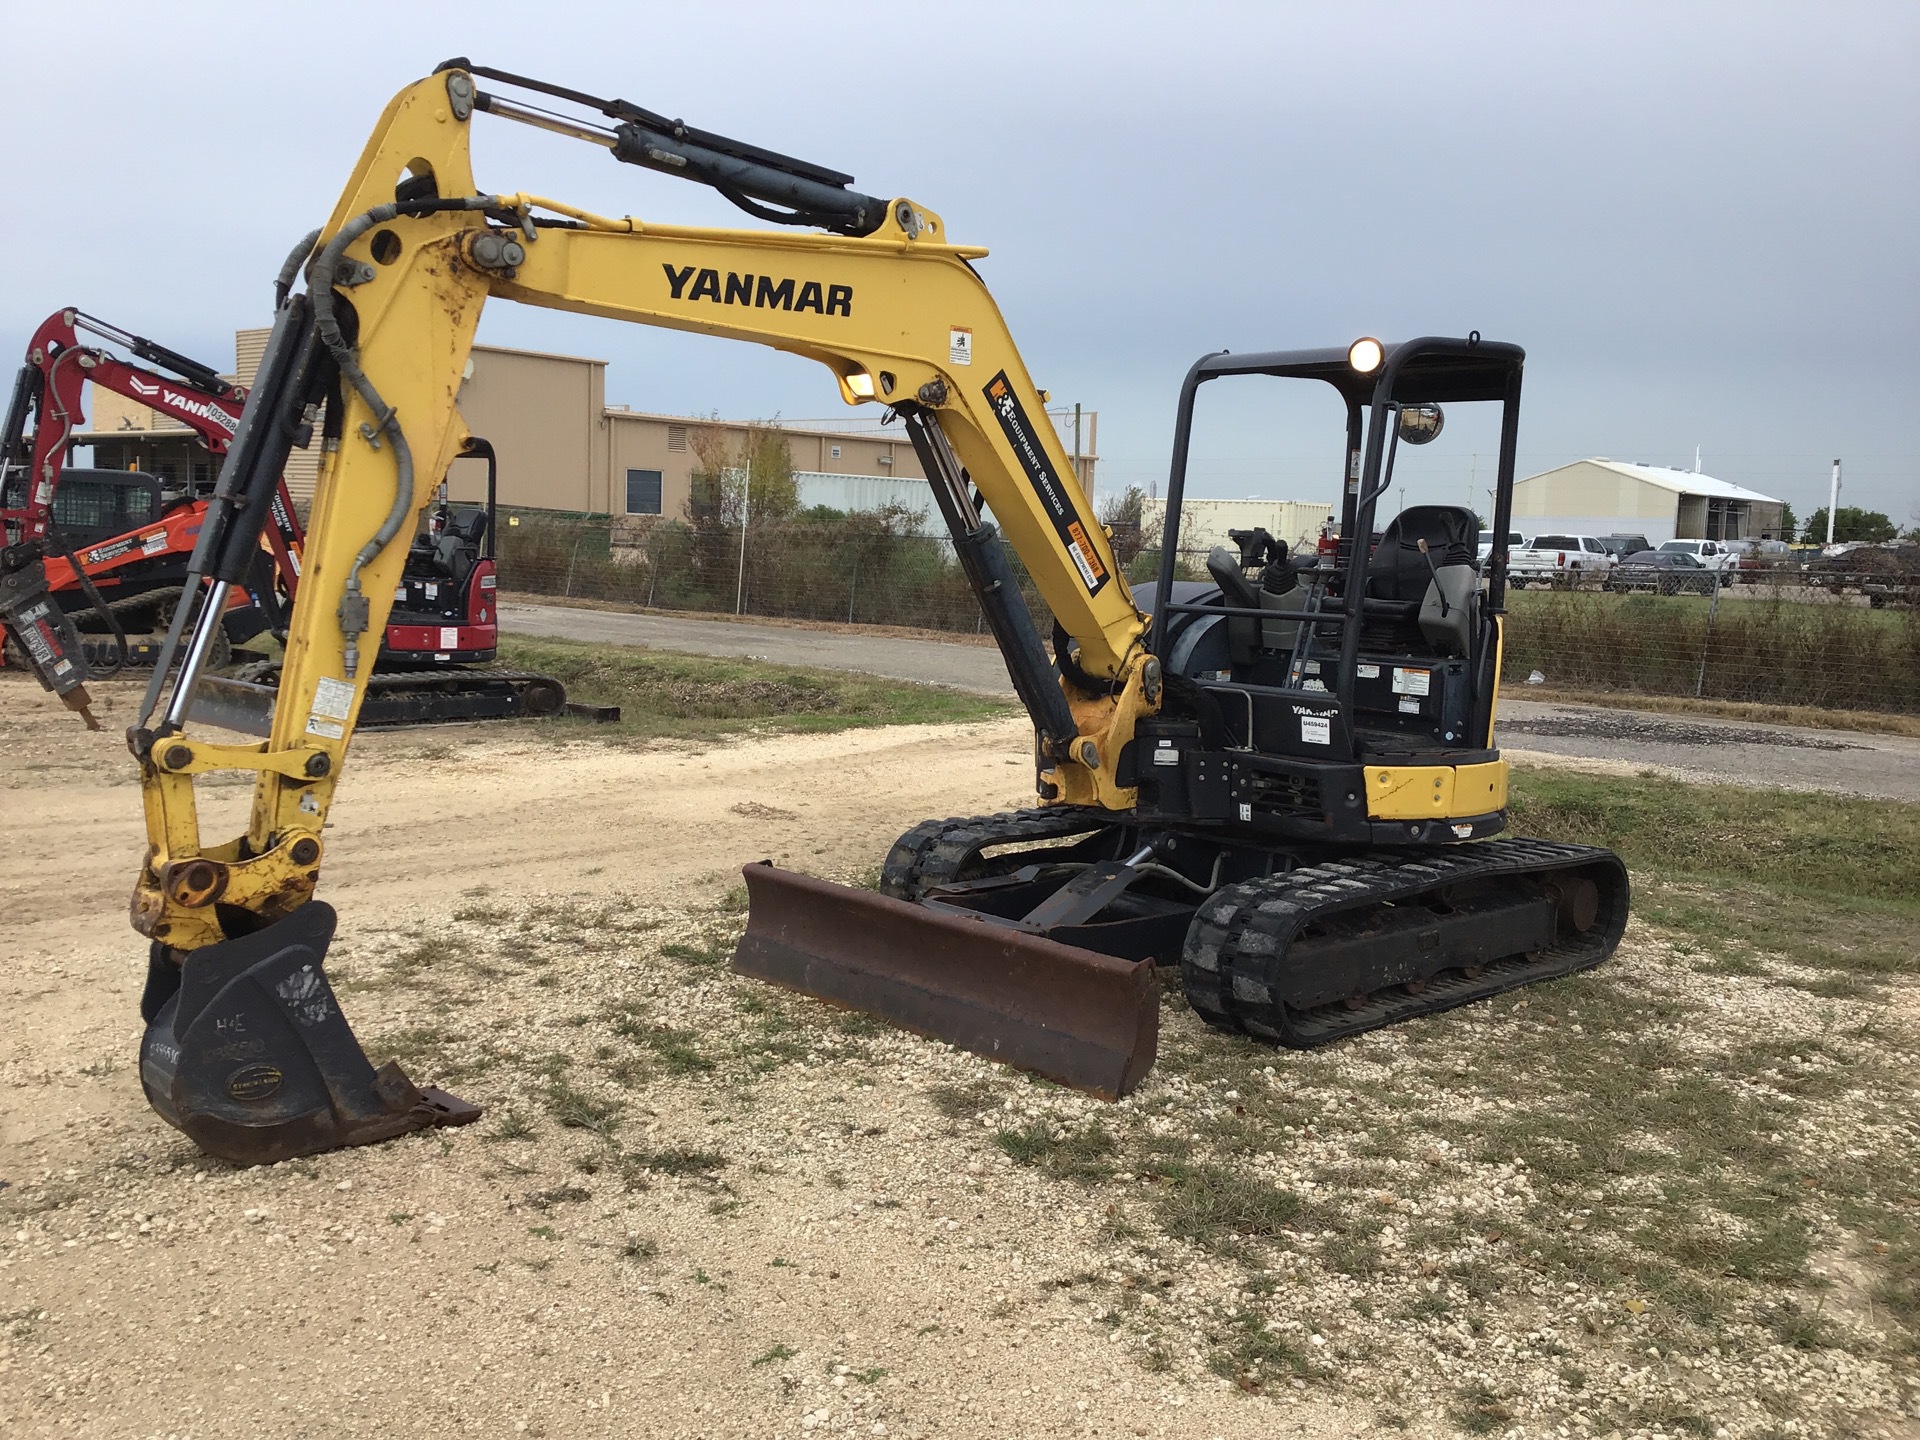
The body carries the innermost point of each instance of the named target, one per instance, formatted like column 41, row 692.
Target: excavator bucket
column 252, row 1059
column 1084, row 1019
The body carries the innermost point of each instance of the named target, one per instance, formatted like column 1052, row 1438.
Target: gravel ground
column 1636, row 1203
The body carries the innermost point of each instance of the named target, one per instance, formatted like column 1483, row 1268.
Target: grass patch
column 1757, row 651
column 577, row 1110
column 1797, row 844
column 1479, row 1410
column 676, row 1050
column 664, row 695
column 1213, row 1205
column 961, row 1102
column 1085, row 1155
column 1807, row 717
column 676, row 1160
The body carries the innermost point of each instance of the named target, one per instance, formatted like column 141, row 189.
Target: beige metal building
column 1609, row 497
column 1205, row 523
column 562, row 447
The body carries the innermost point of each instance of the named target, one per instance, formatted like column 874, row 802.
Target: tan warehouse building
column 562, row 447
column 1610, row 497
column 1207, row 523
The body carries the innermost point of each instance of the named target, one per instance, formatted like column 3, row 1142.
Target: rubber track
column 1234, row 962
column 938, row 852
column 267, row 672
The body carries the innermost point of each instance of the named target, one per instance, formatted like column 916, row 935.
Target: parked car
column 1621, row 546
column 1514, row 542
column 1713, row 554
column 1663, row 571
column 1756, row 558
column 1885, row 574
column 1557, row 560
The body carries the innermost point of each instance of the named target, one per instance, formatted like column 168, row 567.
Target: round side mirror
column 1420, row 423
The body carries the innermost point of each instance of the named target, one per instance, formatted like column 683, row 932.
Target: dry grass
column 1866, row 722
column 1480, row 1220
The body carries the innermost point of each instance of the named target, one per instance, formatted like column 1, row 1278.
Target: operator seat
column 457, row 549
column 1438, row 590
column 1246, row 637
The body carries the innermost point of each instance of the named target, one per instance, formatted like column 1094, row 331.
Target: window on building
column 643, row 492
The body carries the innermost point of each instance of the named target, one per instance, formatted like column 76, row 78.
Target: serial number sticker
column 449, row 637
column 154, row 543
column 1316, row 729
column 1411, row 682
column 960, row 346
column 1367, row 672
column 1409, row 705
column 1166, row 757
column 332, row 699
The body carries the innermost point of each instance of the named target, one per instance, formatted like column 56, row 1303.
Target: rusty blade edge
column 1084, row 1019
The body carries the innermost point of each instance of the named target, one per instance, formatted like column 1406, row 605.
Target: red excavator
column 88, row 555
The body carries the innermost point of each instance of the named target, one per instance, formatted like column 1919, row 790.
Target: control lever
column 1444, row 607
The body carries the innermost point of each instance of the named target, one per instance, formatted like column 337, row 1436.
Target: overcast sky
column 1700, row 220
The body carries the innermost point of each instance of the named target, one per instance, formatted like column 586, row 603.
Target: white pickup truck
column 1558, row 560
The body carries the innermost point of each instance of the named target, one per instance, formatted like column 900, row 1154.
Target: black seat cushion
column 1398, row 571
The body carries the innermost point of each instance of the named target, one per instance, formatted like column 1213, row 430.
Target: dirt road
column 1736, row 752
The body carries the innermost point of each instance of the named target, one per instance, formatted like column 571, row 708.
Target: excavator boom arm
column 406, row 263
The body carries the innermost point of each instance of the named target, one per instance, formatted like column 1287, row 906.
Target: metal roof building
column 1610, row 497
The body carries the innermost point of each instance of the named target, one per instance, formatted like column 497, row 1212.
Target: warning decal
column 1055, row 497
column 332, row 703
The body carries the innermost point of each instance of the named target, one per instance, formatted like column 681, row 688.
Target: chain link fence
column 1831, row 639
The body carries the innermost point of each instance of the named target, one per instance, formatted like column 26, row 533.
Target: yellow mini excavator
column 1282, row 779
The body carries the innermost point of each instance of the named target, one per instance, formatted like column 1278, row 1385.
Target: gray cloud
column 1700, row 219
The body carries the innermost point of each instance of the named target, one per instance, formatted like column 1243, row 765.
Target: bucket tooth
column 252, row 1059
column 1087, row 1020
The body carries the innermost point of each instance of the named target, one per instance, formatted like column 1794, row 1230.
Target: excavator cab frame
column 1373, row 720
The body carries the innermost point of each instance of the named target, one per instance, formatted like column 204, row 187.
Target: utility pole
column 1833, row 500
column 1079, row 478
column 746, row 503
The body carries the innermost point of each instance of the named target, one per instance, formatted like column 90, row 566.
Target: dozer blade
column 253, row 1060
column 1087, row 1020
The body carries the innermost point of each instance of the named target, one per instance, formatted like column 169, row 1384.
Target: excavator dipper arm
column 398, row 278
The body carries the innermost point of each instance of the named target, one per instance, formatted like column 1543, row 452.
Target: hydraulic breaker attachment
column 1087, row 1020
column 252, row 1059
column 42, row 631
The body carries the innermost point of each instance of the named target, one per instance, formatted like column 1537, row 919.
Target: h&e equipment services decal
column 1054, row 497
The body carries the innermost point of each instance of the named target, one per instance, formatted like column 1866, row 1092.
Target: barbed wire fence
column 1832, row 639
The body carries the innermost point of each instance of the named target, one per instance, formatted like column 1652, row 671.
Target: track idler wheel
column 250, row 1056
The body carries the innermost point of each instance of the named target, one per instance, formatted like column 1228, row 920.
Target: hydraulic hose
column 321, row 278
column 283, row 282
